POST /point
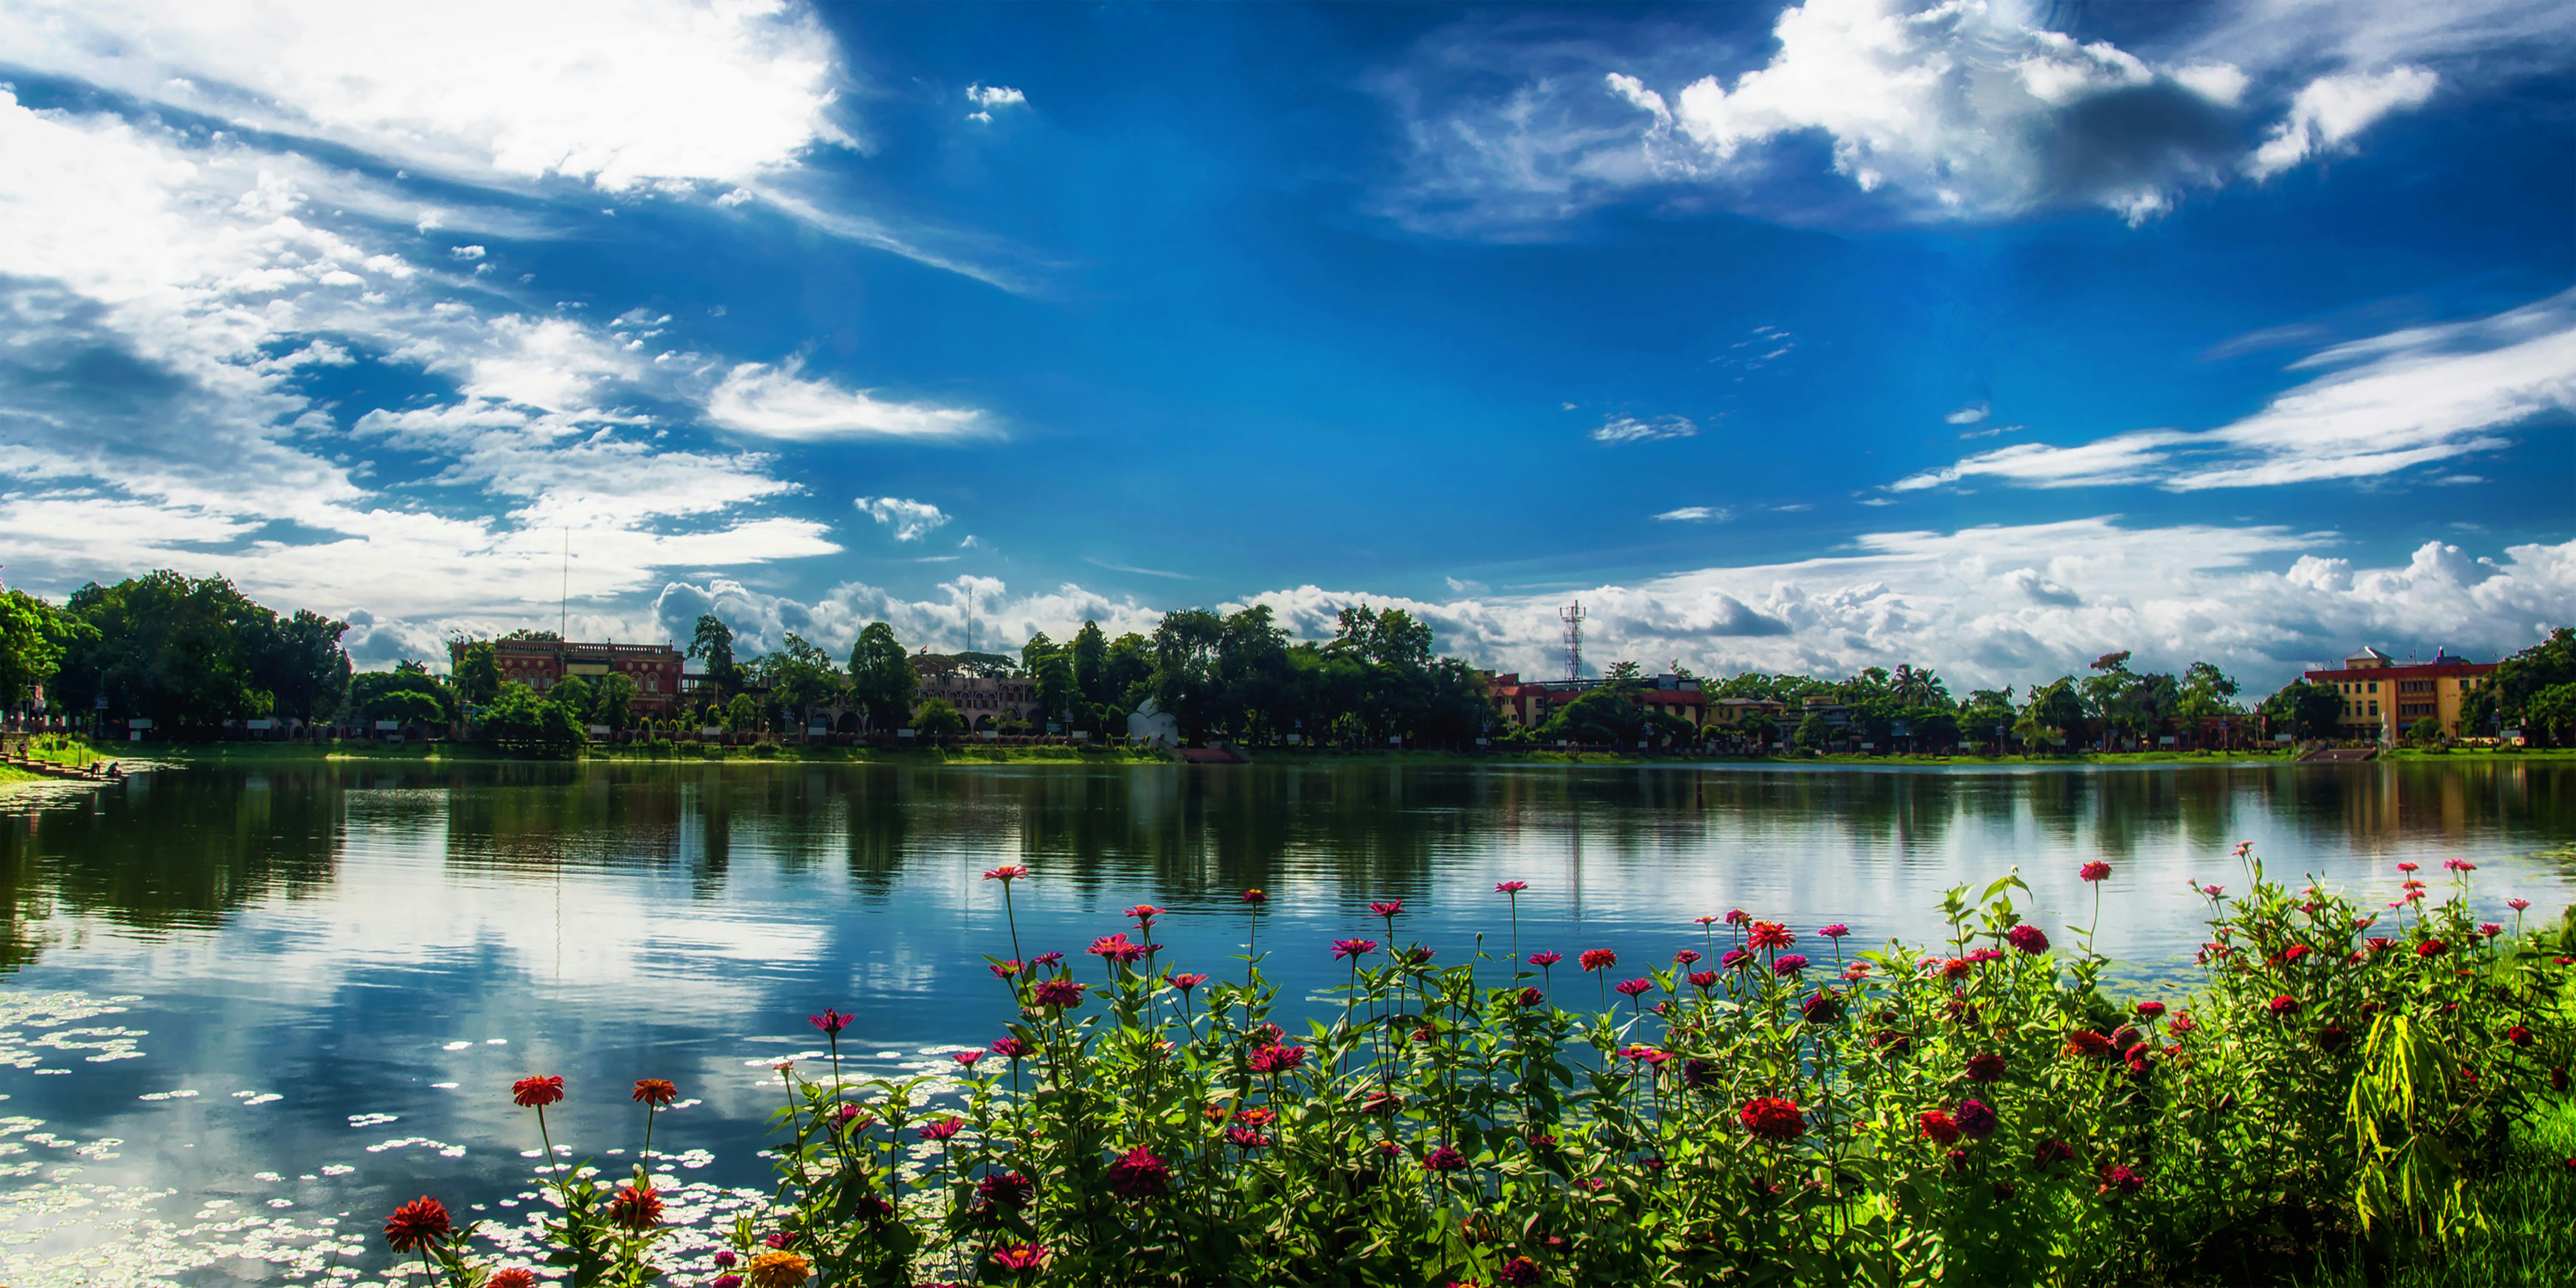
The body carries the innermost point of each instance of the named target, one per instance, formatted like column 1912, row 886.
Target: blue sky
column 1801, row 337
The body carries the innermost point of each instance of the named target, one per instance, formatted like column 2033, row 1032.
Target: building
column 2383, row 697
column 986, row 701
column 542, row 662
column 1732, row 714
column 1527, row 706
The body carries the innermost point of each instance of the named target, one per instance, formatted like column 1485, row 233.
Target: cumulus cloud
column 1695, row 514
column 1631, row 429
column 911, row 520
column 777, row 402
column 1970, row 414
column 612, row 93
column 2381, row 406
column 987, row 97
column 1953, row 111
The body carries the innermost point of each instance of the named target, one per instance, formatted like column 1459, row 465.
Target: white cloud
column 1630, row 429
column 1003, row 621
column 775, row 402
column 911, row 520
column 1965, row 110
column 615, row 93
column 466, row 252
column 1695, row 514
column 2386, row 404
column 1970, row 414
column 987, row 97
column 2332, row 109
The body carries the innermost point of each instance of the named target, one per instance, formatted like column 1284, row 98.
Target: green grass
column 2530, row 1231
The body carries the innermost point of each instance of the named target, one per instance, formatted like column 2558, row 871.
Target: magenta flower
column 1020, row 1256
column 2459, row 865
column 1144, row 914
column 1976, row 1120
column 1059, row 993
column 1006, row 874
column 1632, row 987
column 1277, row 1059
column 2028, row 938
column 1737, row 917
column 1255, row 896
column 944, row 1128
column 1532, row 997
column 2517, row 904
column 2284, row 1004
column 1738, row 959
column 1444, row 1159
column 1789, row 964
column 966, row 1058
column 831, row 1022
column 1386, row 908
column 1686, row 956
column 1139, row 1175
column 1185, row 981
column 2097, row 870
column 2407, row 867
column 1703, row 979
column 1543, row 960
column 1598, row 959
column 1353, row 948
column 2490, row 929
column 1010, row 1048
column 1046, row 959
column 1510, row 887
column 1835, row 931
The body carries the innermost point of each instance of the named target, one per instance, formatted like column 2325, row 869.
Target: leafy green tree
column 937, row 719
column 1186, row 683
column 799, row 676
column 33, row 635
column 518, row 715
column 2207, row 691
column 2425, row 732
column 882, row 680
column 2054, row 710
column 2549, row 716
column 713, row 642
column 1091, row 663
column 576, row 695
column 1814, row 732
column 2503, row 698
column 742, row 715
column 299, row 662
column 476, row 666
column 370, row 692
column 1127, row 671
column 409, row 707
column 2304, row 709
column 1626, row 677
column 613, row 703
column 167, row 648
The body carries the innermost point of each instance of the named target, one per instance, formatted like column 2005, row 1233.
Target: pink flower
column 1247, row 1138
column 1599, row 959
column 1059, row 993
column 2284, row 1005
column 2517, row 904
column 1705, row 920
column 1543, row 960
column 2181, row 1023
column 1738, row 959
column 2150, row 1010
column 1644, row 1054
column 2490, row 929
column 1353, row 948
column 2406, row 867
column 1277, row 1059
column 2122, row 1179
column 1010, row 1048
column 1046, row 959
column 831, row 1022
column 1789, row 964
column 1976, row 1119
column 1005, row 970
column 1444, row 1159
column 1532, row 997
column 1631, row 987
column 1006, row 873
column 1520, row 1272
column 1835, row 931
column 1386, row 908
column 1144, row 913
column 2028, row 938
column 1020, row 1256
column 2459, row 865
column 2213, row 891
column 1255, row 896
column 1703, row 978
column 1737, row 917
column 966, row 1058
column 1139, row 1175
column 2097, row 870
column 1769, row 934
column 944, row 1128
column 1510, row 887
column 1185, row 982
column 1686, row 956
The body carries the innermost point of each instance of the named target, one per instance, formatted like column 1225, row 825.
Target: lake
column 249, row 1010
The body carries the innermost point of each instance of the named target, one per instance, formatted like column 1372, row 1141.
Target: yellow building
column 2383, row 697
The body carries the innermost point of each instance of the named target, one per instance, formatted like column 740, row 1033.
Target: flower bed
column 2345, row 1090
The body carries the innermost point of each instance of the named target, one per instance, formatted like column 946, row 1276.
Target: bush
column 2339, row 1092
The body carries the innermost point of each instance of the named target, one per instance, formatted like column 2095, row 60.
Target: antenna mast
column 1572, row 616
column 563, row 594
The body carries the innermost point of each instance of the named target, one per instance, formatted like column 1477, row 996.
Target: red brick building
column 540, row 664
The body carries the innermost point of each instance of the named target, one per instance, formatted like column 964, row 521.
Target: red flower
column 1005, row 970
column 2490, row 929
column 2050, row 1153
column 1737, row 917
column 1444, row 1159
column 2518, row 1035
column 1255, row 896
column 1703, row 978
column 1277, row 1059
column 1532, row 997
column 2086, row 1042
column 2459, row 865
column 2151, row 1010
column 1045, row 959
column 1773, row 1119
column 2290, row 956
column 1247, row 1138
column 1010, row 1048
column 1386, row 908
column 944, row 1129
column 1006, row 1191
column 1059, row 993
column 1769, row 934
column 1598, row 959
column 1006, row 873
column 2431, row 948
column 1520, row 1272
column 2120, row 1178
column 1510, row 887
column 2517, row 904
column 512, row 1277
column 1632, row 987
column 421, row 1221
column 657, row 1092
column 635, row 1209
column 2095, row 871
column 1955, row 968
column 2406, row 867
column 1686, row 956
column 1939, row 1125
column 1835, row 931
column 1020, row 1256
column 1543, row 960
column 966, row 1058
column 1185, row 982
column 1788, row 964
column 537, row 1093
column 2284, row 1004
column 1145, row 912
column 1116, row 948
column 2028, row 938
column 1976, row 1119
column 1987, row 1067
column 830, row 1021
column 1353, row 948
column 1824, row 1008
column 1644, row 1054
column 1139, row 1175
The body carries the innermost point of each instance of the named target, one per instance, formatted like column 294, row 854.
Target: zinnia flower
column 944, row 1128
column 1247, row 1138
column 1737, row 917
column 1631, row 987
column 657, row 1092
column 2431, row 948
column 537, row 1093
column 2459, row 865
column 1139, row 1175
column 2122, row 1179
column 2050, row 1153
column 1823, row 1008
column 2406, row 867
column 2284, row 1004
column 1144, row 912
column 1835, row 931
column 1738, row 959
column 1520, row 1272
column 633, row 1208
column 1185, row 982
column 2490, row 929
column 2518, row 1035
column 1705, row 920
column 1532, row 997
column 1008, row 969
column 1020, row 1256
column 1006, row 1191
column 1444, row 1159
column 2517, row 904
column 2182, row 1023
column 1543, row 960
column 1059, row 993
column 1386, row 908
column 1598, row 959
column 1769, row 934
column 2150, row 1010
column 1277, row 1059
column 1010, row 1048
column 1510, row 887
column 722, row 1281
column 1046, row 959
column 2086, row 1042
column 1939, row 1125
column 1699, row 1073
column 2028, row 938
column 966, row 1058
column 1955, row 968
column 830, row 1021
column 1985, row 1067
column 1788, row 964
column 778, row 1269
column 1644, row 1054
column 2097, row 870
column 511, row 1277
column 414, row 1224
column 1773, row 1118
column 1686, row 956
column 1976, row 1119
column 1006, row 873
column 1353, row 948
column 1703, row 978
column 1255, row 896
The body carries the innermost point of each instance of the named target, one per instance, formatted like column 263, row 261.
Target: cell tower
column 1572, row 616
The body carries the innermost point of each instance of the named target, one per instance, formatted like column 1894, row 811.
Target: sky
column 1984, row 336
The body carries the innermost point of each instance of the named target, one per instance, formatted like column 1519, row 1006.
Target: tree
column 1186, row 684
column 574, row 694
column 2052, row 711
column 476, row 667
column 2309, row 710
column 742, row 715
column 882, row 681
column 937, row 719
column 298, row 660
column 1814, row 732
column 1091, row 663
column 2425, row 732
column 33, row 634
column 2206, row 691
column 1626, row 677
column 371, row 693
column 614, row 702
column 409, row 707
column 800, row 676
column 1602, row 715
column 519, row 715
column 714, row 642
column 2504, row 698
column 166, row 648
column 2550, row 714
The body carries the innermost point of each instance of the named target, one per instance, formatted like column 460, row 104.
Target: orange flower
column 419, row 1222
column 657, row 1092
column 781, row 1269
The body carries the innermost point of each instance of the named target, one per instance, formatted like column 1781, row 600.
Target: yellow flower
column 776, row 1270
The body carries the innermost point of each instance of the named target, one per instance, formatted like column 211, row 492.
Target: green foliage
column 2304, row 709
column 476, row 666
column 613, row 700
column 937, row 719
column 882, row 681
column 407, row 693
column 2505, row 698
column 32, row 638
column 2550, row 714
column 799, row 676
column 409, row 707
column 520, row 716
column 713, row 641
column 191, row 654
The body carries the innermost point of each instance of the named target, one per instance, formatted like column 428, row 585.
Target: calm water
column 248, row 1011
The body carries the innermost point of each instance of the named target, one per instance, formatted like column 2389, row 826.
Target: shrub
column 2346, row 1083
